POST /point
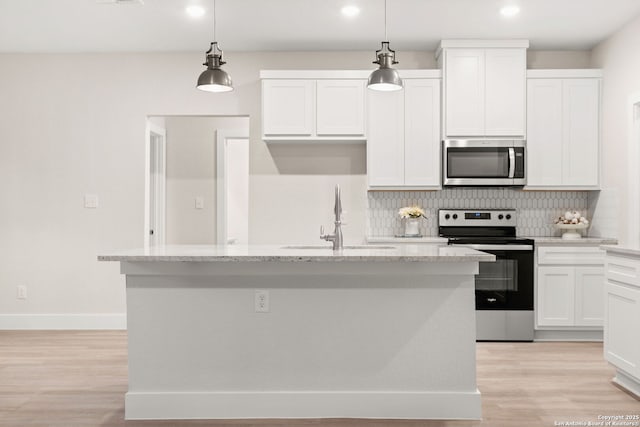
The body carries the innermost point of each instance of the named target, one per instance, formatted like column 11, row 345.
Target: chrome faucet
column 336, row 237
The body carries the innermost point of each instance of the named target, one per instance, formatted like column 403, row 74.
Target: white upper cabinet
column 544, row 132
column 385, row 145
column 288, row 107
column 422, row 132
column 581, row 124
column 300, row 105
column 484, row 88
column 505, row 92
column 563, row 125
column 403, row 146
column 464, row 92
column 340, row 105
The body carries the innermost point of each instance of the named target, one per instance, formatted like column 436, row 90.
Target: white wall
column 191, row 173
column 81, row 128
column 558, row 59
column 618, row 57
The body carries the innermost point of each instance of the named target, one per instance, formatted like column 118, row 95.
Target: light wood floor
column 79, row 379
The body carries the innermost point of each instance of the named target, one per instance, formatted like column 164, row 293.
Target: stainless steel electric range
column 504, row 289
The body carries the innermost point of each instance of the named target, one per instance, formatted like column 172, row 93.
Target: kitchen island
column 221, row 332
column 622, row 314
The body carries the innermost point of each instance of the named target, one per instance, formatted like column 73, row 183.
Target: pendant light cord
column 214, row 20
column 385, row 20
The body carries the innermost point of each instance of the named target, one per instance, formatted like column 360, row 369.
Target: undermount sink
column 368, row 247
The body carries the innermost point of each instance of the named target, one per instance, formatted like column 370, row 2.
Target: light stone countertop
column 573, row 242
column 396, row 239
column 300, row 253
column 622, row 249
column 544, row 240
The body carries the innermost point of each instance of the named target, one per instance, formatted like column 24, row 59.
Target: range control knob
column 455, row 216
column 500, row 216
column 447, row 216
column 508, row 216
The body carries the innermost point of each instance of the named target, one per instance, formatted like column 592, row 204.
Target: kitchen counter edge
column 622, row 249
column 548, row 241
column 213, row 253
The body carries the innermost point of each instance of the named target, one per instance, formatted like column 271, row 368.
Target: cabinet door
column 621, row 343
column 505, row 92
column 555, row 300
column 580, row 150
column 422, row 132
column 589, row 296
column 544, row 132
column 288, row 107
column 464, row 92
column 385, row 143
column 340, row 107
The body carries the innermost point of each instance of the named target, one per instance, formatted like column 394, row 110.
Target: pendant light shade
column 214, row 78
column 385, row 78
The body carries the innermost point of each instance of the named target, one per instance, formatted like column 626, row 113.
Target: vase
column 412, row 227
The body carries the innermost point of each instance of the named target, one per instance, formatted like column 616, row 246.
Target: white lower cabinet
column 556, row 296
column 622, row 319
column 570, row 287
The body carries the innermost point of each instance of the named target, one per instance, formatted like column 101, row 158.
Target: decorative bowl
column 572, row 230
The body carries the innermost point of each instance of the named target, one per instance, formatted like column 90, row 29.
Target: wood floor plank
column 79, row 378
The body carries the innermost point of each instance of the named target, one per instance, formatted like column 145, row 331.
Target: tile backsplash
column 536, row 209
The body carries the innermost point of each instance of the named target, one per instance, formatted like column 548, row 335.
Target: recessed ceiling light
column 195, row 11
column 510, row 11
column 350, row 11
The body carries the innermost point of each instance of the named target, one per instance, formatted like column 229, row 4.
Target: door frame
column 223, row 136
column 633, row 108
column 151, row 129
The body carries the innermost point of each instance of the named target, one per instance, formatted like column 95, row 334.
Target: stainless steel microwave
column 483, row 162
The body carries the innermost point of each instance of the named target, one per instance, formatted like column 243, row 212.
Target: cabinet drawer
column 574, row 255
column 623, row 270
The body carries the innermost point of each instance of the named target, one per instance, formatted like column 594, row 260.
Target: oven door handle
column 512, row 162
column 500, row 247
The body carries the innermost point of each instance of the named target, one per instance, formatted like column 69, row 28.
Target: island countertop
column 299, row 253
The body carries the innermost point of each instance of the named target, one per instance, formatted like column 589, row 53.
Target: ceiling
column 300, row 25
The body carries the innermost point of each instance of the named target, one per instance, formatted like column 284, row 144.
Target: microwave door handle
column 512, row 162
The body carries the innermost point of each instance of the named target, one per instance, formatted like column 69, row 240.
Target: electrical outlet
column 199, row 202
column 21, row 292
column 261, row 301
column 90, row 201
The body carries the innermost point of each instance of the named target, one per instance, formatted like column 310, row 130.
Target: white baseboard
column 568, row 335
column 307, row 404
column 627, row 382
column 63, row 321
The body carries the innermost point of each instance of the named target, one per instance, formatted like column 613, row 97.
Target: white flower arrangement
column 411, row 212
column 572, row 217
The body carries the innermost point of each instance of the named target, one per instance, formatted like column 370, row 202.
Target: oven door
column 483, row 163
column 507, row 283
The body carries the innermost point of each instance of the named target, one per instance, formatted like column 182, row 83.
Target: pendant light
column 385, row 78
column 214, row 78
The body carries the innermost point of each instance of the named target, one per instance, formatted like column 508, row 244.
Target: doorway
column 156, row 184
column 203, row 183
column 233, row 187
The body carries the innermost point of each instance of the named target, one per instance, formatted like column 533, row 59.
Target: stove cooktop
column 467, row 240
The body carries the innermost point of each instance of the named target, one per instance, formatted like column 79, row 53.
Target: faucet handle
column 322, row 232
